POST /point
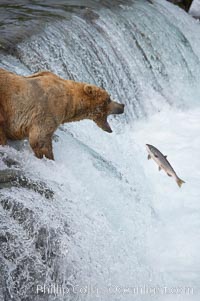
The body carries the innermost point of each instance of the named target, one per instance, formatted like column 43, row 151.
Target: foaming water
column 116, row 220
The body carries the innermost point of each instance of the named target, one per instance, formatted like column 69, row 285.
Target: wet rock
column 10, row 162
column 185, row 4
column 30, row 243
column 30, row 250
column 15, row 178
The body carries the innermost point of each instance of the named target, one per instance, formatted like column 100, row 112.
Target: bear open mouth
column 103, row 124
column 107, row 127
column 112, row 109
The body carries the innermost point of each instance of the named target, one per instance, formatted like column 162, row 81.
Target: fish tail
column 179, row 182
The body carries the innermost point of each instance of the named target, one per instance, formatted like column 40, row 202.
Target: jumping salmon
column 161, row 160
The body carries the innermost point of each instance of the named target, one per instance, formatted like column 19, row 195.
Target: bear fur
column 34, row 106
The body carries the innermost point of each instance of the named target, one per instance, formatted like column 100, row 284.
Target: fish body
column 163, row 163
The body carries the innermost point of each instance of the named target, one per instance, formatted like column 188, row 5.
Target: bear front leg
column 41, row 144
column 3, row 139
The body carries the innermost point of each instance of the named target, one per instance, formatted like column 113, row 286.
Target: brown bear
column 34, row 106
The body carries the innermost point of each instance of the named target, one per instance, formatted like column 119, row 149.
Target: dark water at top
column 18, row 19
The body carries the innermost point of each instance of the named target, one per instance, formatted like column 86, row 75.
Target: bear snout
column 121, row 109
column 116, row 108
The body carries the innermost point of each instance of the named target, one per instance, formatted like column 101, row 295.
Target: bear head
column 98, row 106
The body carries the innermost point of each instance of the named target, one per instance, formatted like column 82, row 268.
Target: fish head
column 149, row 148
column 152, row 151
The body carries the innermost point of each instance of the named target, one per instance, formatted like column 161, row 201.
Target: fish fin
column 165, row 157
column 149, row 157
column 169, row 175
column 159, row 168
column 179, row 182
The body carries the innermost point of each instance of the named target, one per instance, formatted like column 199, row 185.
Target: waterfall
column 115, row 226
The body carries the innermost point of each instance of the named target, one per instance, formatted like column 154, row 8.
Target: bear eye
column 108, row 100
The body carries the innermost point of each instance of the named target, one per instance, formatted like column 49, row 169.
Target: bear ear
column 90, row 90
